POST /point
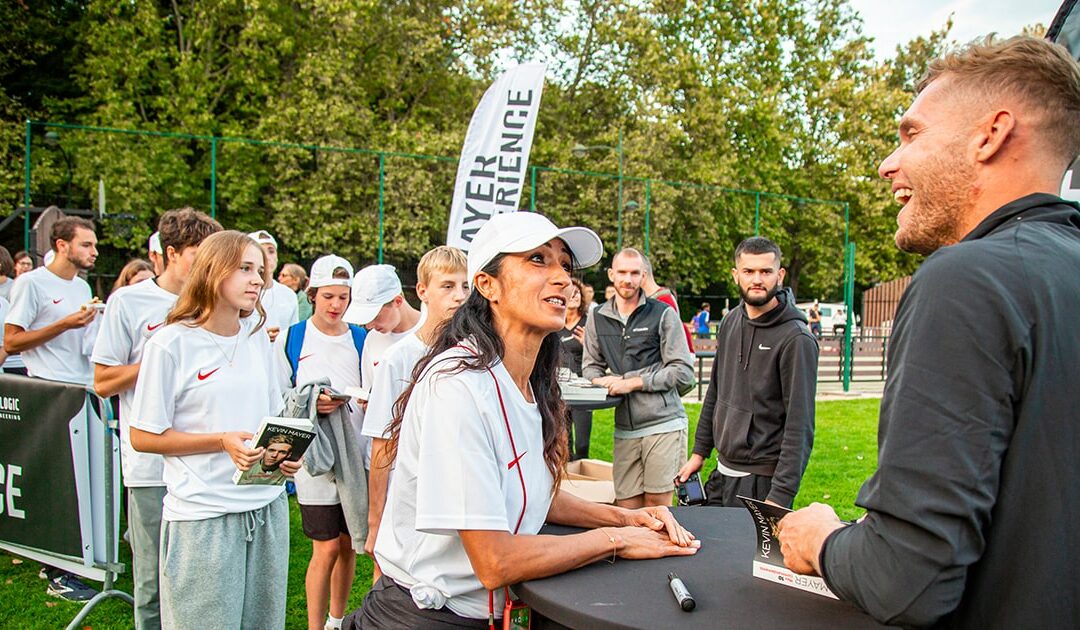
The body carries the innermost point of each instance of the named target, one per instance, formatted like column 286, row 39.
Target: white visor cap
column 516, row 232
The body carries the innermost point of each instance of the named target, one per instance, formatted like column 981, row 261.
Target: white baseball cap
column 262, row 237
column 49, row 257
column 372, row 288
column 516, row 232
column 322, row 272
column 155, row 243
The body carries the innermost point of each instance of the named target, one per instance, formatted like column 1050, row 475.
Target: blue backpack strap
column 359, row 334
column 294, row 343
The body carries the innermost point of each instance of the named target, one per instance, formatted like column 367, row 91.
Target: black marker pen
column 683, row 596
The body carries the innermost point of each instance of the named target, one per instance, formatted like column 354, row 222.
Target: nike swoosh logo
column 203, row 377
column 516, row 461
column 58, row 301
column 303, row 357
column 150, row 328
column 761, row 347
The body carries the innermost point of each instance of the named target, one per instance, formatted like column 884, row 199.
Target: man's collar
column 1012, row 210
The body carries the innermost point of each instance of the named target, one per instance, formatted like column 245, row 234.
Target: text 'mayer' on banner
column 495, row 157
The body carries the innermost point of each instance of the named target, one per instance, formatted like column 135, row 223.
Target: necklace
column 236, row 346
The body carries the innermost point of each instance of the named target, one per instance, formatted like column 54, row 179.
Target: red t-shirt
column 667, row 297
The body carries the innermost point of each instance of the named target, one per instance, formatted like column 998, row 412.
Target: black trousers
column 723, row 491
column 581, row 429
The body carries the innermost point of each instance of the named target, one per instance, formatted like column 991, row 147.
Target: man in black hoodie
column 759, row 409
column 971, row 515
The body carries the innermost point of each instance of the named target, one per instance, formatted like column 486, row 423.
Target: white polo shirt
column 455, row 470
column 392, row 376
column 279, row 302
column 186, row 383
column 333, row 357
column 375, row 346
column 41, row 298
column 132, row 316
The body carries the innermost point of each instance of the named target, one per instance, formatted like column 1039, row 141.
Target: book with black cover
column 283, row 439
column 768, row 560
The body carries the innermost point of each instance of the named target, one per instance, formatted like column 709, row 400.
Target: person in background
column 206, row 380
column 814, row 317
column 155, row 253
column 135, row 271
column 658, row 292
column 279, row 301
column 609, row 292
column 572, row 337
column 701, row 322
column 293, row 276
column 7, row 272
column 588, row 298
column 23, row 262
column 460, row 524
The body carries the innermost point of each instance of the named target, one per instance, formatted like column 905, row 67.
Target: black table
column 593, row 405
column 635, row 593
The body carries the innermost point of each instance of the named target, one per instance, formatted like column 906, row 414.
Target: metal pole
column 847, row 222
column 213, row 177
column 26, row 191
column 757, row 214
column 648, row 194
column 619, row 149
column 382, row 188
column 532, row 189
column 849, row 298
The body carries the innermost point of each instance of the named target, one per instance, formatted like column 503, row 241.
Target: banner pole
column 382, row 189
column 26, row 191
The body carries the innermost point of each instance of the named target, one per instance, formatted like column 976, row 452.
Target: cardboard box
column 589, row 479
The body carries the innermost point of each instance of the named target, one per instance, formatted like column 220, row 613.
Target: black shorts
column 323, row 522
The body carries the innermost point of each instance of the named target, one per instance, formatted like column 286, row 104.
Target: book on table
column 768, row 560
column 281, row 439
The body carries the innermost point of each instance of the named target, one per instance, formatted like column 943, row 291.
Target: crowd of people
column 452, row 434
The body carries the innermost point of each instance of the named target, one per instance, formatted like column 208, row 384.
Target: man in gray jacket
column 641, row 341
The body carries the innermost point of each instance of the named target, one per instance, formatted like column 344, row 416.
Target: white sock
column 334, row 622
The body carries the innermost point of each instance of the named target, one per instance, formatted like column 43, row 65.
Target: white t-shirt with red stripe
column 132, row 316
column 187, row 383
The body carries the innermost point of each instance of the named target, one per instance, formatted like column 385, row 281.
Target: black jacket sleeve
column 798, row 378
column 946, row 421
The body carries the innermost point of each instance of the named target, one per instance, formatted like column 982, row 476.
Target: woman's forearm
column 501, row 558
column 567, row 509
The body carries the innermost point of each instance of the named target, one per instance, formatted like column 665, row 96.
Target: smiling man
column 970, row 516
column 642, row 343
column 759, row 409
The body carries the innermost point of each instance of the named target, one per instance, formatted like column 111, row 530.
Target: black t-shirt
column 572, row 350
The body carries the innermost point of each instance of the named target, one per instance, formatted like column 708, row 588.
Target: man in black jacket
column 759, row 409
column 971, row 516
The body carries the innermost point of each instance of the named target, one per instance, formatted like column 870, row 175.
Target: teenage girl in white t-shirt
column 205, row 382
column 480, row 444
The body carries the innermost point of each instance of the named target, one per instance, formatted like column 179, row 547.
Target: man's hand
column 606, row 381
column 79, row 319
column 289, row 467
column 802, row 534
column 325, row 405
column 659, row 518
column 691, row 466
column 625, row 386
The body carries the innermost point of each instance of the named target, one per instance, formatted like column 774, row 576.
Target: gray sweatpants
column 226, row 572
column 144, row 523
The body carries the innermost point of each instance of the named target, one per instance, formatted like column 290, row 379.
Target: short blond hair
column 1038, row 73
column 444, row 259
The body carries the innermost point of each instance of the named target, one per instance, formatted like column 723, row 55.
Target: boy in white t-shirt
column 328, row 349
column 442, row 285
column 133, row 315
column 279, row 300
column 52, row 323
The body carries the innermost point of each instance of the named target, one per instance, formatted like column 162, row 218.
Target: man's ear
column 993, row 133
column 421, row 291
column 781, row 275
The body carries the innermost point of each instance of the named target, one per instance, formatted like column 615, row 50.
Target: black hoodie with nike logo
column 759, row 409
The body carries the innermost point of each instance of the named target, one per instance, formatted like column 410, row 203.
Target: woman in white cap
column 324, row 346
column 206, row 381
column 480, row 441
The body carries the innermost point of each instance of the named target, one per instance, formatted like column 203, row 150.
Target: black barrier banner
column 39, row 507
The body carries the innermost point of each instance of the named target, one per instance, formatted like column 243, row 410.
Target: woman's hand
column 643, row 543
column 235, row 445
column 289, row 467
column 326, row 405
column 659, row 519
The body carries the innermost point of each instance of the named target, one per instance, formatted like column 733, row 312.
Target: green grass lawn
column 845, row 454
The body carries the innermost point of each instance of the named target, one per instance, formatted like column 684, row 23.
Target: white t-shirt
column 186, row 384
column 279, row 302
column 334, row 358
column 375, row 346
column 41, row 298
column 133, row 315
column 392, row 376
column 454, row 471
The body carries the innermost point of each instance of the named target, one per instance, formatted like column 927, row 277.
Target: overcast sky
column 892, row 23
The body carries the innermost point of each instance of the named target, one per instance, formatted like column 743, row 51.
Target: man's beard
column 943, row 186
column 761, row 301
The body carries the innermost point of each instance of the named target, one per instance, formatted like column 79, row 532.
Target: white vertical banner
column 495, row 157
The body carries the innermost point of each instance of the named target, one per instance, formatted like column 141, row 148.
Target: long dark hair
column 473, row 321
